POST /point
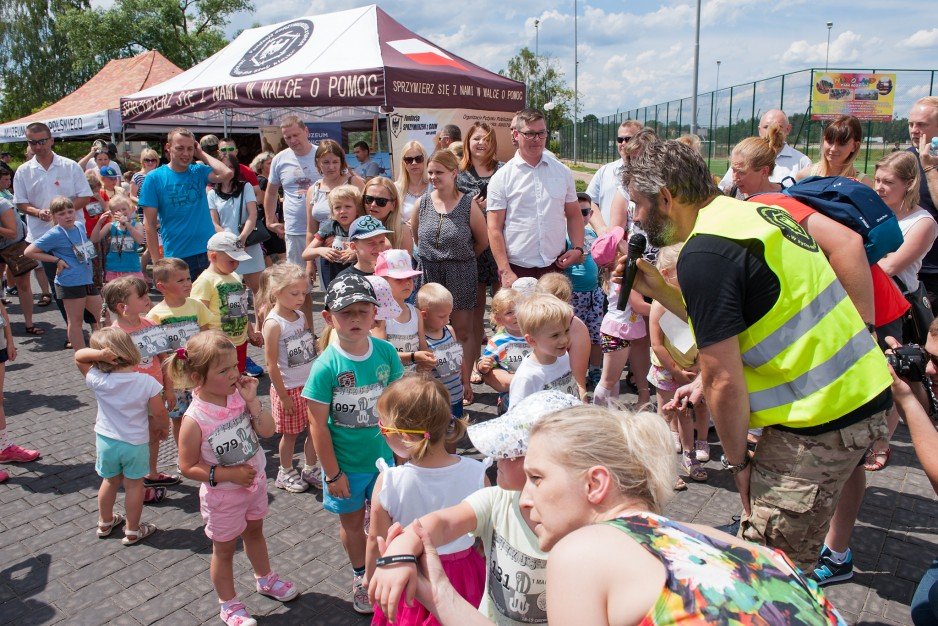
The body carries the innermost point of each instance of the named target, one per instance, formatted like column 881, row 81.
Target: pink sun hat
column 604, row 248
column 388, row 308
column 395, row 264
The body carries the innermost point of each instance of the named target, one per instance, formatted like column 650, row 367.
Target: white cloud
column 846, row 48
column 922, row 39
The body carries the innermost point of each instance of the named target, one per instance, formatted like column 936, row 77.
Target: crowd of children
column 378, row 446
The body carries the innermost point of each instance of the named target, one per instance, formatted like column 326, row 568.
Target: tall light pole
column 717, row 89
column 576, row 95
column 827, row 57
column 693, row 123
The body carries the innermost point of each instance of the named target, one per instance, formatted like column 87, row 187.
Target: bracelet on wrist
column 211, row 476
column 929, row 168
column 337, row 476
column 383, row 561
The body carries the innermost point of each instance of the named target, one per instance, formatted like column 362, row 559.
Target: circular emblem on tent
column 274, row 48
column 791, row 230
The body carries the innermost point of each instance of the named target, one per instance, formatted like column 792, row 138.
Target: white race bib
column 448, row 360
column 151, row 341
column 178, row 333
column 301, row 349
column 354, row 407
column 235, row 441
column 517, row 583
column 565, row 384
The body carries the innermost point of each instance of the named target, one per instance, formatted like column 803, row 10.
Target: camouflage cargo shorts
column 795, row 484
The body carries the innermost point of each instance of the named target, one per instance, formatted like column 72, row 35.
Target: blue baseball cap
column 366, row 227
column 108, row 172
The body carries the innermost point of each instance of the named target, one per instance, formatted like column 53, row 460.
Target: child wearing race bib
column 181, row 319
column 68, row 246
column 343, row 388
column 219, row 447
column 516, row 573
column 545, row 321
column 405, row 332
column 579, row 347
column 221, row 289
column 127, row 298
column 416, row 422
column 126, row 237
column 507, row 348
column 330, row 246
column 436, row 305
column 290, row 349
column 130, row 406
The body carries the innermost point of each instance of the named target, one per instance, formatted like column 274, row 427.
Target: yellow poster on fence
column 864, row 96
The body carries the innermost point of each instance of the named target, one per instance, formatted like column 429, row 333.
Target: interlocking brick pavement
column 54, row 570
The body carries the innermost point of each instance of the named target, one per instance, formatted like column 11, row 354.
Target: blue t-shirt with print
column 584, row 276
column 351, row 385
column 123, row 253
column 182, row 205
column 62, row 244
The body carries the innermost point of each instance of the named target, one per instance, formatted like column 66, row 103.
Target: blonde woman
column 412, row 180
column 839, row 149
column 382, row 201
column 149, row 161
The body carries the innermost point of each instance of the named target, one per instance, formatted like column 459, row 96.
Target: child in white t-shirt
column 130, row 404
column 545, row 321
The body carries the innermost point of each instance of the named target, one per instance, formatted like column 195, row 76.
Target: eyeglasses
column 533, row 134
column 413, row 159
column 38, row 142
column 586, row 212
column 624, row 139
column 227, row 149
column 382, row 202
column 388, row 430
column 151, row 160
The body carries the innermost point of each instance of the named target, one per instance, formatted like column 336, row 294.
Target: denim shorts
column 74, row 293
column 119, row 457
column 360, row 486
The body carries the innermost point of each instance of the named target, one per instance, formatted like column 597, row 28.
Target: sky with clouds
column 641, row 52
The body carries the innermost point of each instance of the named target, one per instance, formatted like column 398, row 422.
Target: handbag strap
column 241, row 217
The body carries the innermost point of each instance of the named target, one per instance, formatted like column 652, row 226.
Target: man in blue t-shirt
column 175, row 193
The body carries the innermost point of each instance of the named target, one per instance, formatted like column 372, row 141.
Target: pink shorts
column 226, row 512
column 294, row 422
column 109, row 276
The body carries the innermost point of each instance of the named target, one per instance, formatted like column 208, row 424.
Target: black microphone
column 637, row 245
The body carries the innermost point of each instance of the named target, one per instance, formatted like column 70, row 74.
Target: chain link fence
column 726, row 116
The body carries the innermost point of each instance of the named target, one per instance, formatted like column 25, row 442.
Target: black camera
column 909, row 362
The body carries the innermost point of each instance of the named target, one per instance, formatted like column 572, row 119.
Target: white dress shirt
column 33, row 184
column 603, row 186
column 533, row 198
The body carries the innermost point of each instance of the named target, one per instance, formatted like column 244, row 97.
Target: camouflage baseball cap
column 348, row 289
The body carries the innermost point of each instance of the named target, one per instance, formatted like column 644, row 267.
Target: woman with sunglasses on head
column 382, row 202
column 412, row 181
column 597, row 481
column 450, row 231
column 839, row 149
column 477, row 166
column 330, row 161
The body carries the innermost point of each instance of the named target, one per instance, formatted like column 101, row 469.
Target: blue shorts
column 360, row 486
column 116, row 457
column 456, row 409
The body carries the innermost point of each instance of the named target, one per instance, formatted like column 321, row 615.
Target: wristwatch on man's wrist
column 737, row 468
column 580, row 248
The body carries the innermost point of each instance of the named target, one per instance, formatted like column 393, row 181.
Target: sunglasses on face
column 586, row 212
column 388, row 430
column 227, row 149
column 151, row 160
column 413, row 159
column 38, row 142
column 624, row 139
column 382, row 202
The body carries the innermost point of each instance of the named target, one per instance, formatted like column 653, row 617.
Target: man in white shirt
column 38, row 181
column 533, row 208
column 788, row 162
column 295, row 170
column 608, row 178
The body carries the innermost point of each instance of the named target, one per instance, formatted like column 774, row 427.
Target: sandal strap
column 275, row 585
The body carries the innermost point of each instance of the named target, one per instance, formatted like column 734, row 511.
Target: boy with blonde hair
column 436, row 305
column 545, row 321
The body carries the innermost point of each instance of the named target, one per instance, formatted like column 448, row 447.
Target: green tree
column 184, row 31
column 35, row 59
column 544, row 83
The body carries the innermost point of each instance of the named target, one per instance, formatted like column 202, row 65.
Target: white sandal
column 134, row 536
column 104, row 528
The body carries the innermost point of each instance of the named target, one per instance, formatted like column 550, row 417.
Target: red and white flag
column 425, row 54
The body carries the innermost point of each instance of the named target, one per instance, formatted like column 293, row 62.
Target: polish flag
column 425, row 54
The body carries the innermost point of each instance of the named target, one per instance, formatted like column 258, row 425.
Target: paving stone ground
column 54, row 570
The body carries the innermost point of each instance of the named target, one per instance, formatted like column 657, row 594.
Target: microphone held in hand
column 637, row 245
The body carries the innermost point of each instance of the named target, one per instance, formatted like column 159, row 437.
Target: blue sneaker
column 252, row 369
column 827, row 571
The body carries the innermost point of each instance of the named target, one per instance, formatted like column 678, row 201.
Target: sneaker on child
column 252, row 369
column 828, row 570
column 290, row 481
column 312, row 477
column 16, row 454
column 235, row 614
column 274, row 587
column 360, row 597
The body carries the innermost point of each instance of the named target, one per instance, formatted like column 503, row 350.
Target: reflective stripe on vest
column 814, row 379
column 796, row 326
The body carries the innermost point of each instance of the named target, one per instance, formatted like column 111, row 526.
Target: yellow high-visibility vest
column 810, row 359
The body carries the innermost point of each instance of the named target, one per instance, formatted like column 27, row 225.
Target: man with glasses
column 533, row 208
column 295, row 170
column 38, row 181
column 607, row 181
column 788, row 162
